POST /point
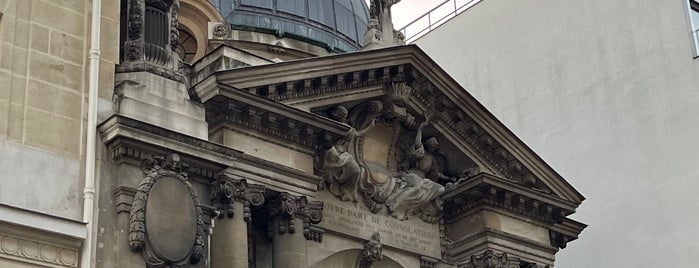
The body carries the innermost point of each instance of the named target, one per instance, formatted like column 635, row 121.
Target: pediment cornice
column 366, row 72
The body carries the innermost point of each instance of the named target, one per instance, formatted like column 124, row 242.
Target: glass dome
column 338, row 25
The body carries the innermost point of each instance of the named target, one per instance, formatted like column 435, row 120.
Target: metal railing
column 435, row 17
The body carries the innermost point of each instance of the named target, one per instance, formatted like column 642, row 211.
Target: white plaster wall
column 607, row 92
column 40, row 181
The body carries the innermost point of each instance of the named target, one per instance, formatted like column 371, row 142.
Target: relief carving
column 490, row 259
column 338, row 165
column 371, row 253
column 148, row 229
column 411, row 190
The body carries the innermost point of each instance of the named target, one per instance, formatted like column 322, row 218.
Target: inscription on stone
column 170, row 219
column 412, row 235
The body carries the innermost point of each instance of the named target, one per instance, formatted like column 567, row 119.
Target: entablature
column 127, row 138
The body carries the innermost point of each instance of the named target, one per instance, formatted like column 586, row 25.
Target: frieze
column 490, row 259
column 125, row 147
column 140, row 237
column 46, row 254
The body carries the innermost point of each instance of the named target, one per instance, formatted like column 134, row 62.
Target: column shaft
column 229, row 242
column 290, row 248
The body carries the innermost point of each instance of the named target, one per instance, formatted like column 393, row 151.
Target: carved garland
column 156, row 170
column 134, row 45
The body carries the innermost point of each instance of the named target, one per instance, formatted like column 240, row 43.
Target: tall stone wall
column 43, row 91
column 605, row 92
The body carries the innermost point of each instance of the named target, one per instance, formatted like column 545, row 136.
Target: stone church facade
column 285, row 134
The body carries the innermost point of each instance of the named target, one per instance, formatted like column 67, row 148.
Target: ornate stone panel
column 166, row 220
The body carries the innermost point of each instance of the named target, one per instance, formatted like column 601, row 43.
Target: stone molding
column 45, row 254
column 130, row 138
column 488, row 190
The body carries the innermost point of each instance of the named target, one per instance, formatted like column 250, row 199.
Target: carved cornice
column 130, row 138
column 228, row 105
column 501, row 149
column 488, row 190
column 226, row 190
column 285, row 207
column 22, row 249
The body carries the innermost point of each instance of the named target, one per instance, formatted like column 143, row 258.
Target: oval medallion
column 171, row 222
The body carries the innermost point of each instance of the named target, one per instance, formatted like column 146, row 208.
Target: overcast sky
column 408, row 10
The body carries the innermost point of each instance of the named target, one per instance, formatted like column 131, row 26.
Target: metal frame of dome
column 337, row 25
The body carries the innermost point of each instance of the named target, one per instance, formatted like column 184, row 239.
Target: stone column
column 229, row 242
column 292, row 217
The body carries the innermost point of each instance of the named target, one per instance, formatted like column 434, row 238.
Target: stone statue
column 340, row 168
column 418, row 186
column 380, row 30
column 422, row 157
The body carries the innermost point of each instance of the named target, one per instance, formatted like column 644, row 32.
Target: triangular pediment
column 409, row 84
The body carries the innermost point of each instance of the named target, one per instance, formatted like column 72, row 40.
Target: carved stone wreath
column 150, row 231
column 220, row 30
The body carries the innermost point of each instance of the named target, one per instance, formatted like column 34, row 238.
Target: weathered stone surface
column 413, row 235
column 170, row 219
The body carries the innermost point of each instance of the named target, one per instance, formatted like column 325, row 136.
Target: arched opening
column 194, row 18
column 350, row 258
